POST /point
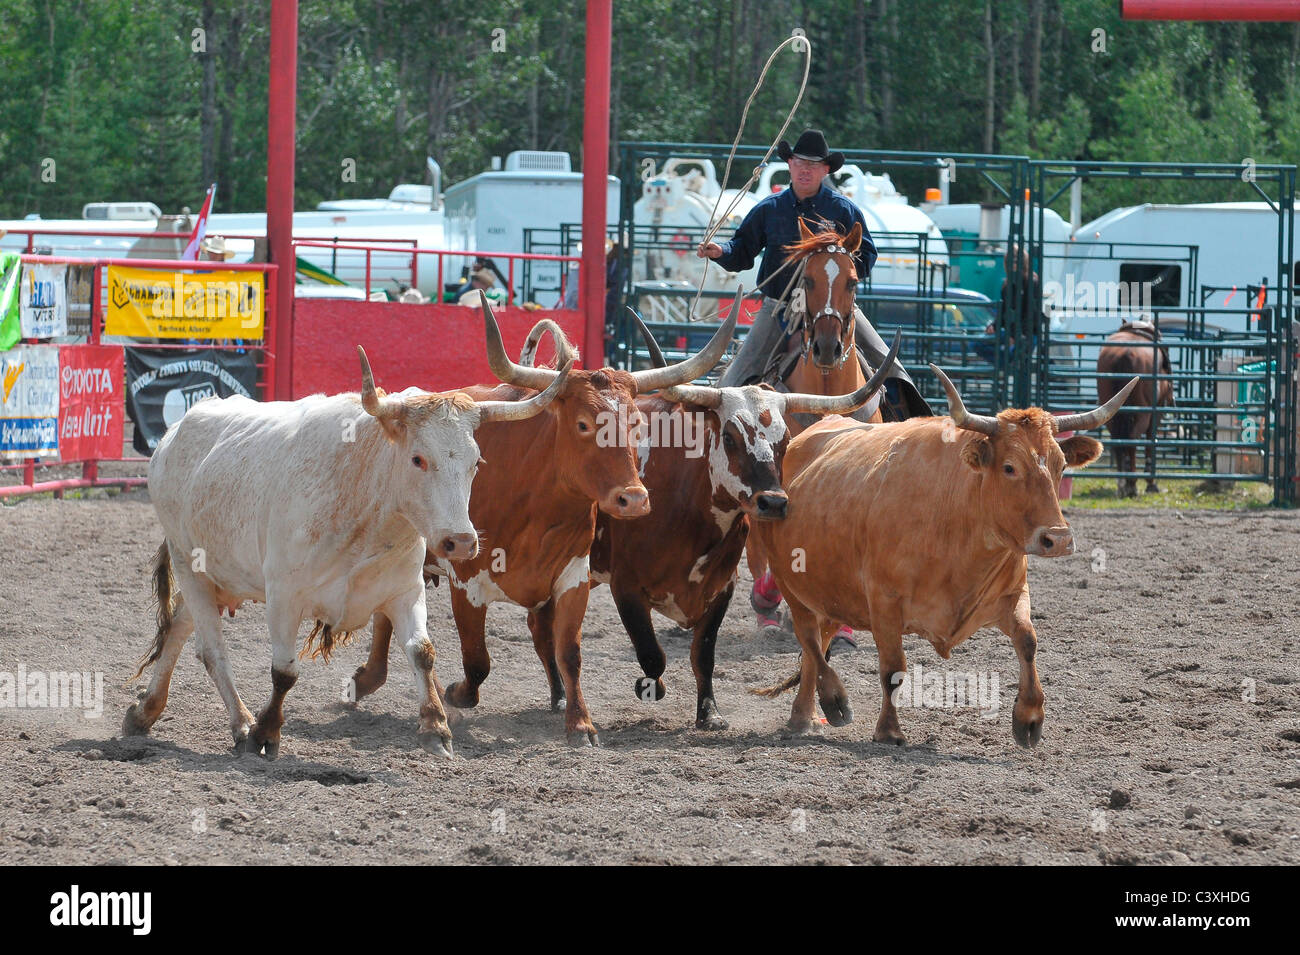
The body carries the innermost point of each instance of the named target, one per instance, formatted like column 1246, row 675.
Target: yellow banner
column 144, row 303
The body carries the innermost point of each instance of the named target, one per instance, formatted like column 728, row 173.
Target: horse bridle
column 805, row 321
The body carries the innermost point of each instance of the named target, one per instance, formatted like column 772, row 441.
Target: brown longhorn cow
column 711, row 459
column 1132, row 351
column 923, row 526
column 535, row 501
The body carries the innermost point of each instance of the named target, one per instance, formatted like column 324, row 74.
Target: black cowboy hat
column 811, row 146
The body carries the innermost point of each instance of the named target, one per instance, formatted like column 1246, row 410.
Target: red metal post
column 96, row 318
column 1239, row 11
column 281, row 107
column 595, row 170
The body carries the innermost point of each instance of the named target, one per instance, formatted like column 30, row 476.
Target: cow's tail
column 789, row 683
column 163, row 585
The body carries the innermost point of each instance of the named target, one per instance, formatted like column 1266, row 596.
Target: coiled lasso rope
column 800, row 44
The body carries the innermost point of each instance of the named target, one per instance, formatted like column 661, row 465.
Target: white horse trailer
column 1231, row 245
column 536, row 190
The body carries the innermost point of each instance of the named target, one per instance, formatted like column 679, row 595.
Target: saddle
column 1148, row 331
column 1145, row 329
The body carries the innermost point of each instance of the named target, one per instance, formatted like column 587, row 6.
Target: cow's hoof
column 801, row 727
column 1027, row 734
column 462, row 697
column 435, row 744
column 837, row 710
column 710, row 719
column 648, row 690
column 132, row 725
column 583, row 739
column 889, row 734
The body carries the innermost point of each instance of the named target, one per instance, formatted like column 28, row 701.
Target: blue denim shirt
column 773, row 224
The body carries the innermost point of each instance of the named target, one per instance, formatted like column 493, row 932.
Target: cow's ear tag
column 978, row 453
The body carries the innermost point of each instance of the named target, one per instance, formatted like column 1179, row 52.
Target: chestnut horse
column 819, row 312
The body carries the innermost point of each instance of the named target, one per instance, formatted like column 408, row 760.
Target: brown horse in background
column 820, row 311
column 1132, row 351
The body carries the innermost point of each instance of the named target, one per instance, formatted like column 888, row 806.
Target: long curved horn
column 500, row 363
column 564, row 350
column 957, row 409
column 686, row 394
column 653, row 379
column 518, row 410
column 1097, row 416
column 380, row 406
column 843, row 404
column 657, row 359
column 701, row 395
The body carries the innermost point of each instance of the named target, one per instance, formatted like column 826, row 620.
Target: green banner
column 10, row 331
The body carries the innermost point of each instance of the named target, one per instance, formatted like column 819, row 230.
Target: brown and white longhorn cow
column 681, row 560
column 535, row 504
column 923, row 526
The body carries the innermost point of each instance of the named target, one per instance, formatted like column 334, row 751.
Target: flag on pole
column 200, row 227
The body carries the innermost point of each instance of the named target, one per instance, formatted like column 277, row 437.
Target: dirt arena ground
column 1168, row 654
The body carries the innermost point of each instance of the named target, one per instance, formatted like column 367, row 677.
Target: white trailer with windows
column 1154, row 254
column 536, row 190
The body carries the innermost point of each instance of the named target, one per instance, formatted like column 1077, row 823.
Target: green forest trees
column 153, row 99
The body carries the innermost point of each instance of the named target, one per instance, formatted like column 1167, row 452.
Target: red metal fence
column 90, row 476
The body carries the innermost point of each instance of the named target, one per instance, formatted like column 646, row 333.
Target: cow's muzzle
column 631, row 501
column 458, row 547
column 769, row 506
column 1051, row 542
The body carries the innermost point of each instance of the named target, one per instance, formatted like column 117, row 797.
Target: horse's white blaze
column 832, row 273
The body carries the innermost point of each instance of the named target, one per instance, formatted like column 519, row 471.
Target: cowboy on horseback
column 771, row 226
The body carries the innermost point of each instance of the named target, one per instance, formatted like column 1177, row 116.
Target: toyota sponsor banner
column 91, row 409
column 161, row 385
column 43, row 306
column 29, row 401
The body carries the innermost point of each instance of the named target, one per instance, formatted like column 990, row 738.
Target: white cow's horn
column 381, row 406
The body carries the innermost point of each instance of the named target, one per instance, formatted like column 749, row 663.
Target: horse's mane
column 817, row 242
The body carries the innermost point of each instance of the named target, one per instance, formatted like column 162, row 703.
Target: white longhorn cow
column 321, row 508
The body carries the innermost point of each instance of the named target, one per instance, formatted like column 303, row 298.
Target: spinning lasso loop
column 799, row 43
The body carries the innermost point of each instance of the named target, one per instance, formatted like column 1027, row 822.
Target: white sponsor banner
column 29, row 401
column 43, row 302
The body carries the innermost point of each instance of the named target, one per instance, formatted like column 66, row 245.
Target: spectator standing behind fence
column 482, row 285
